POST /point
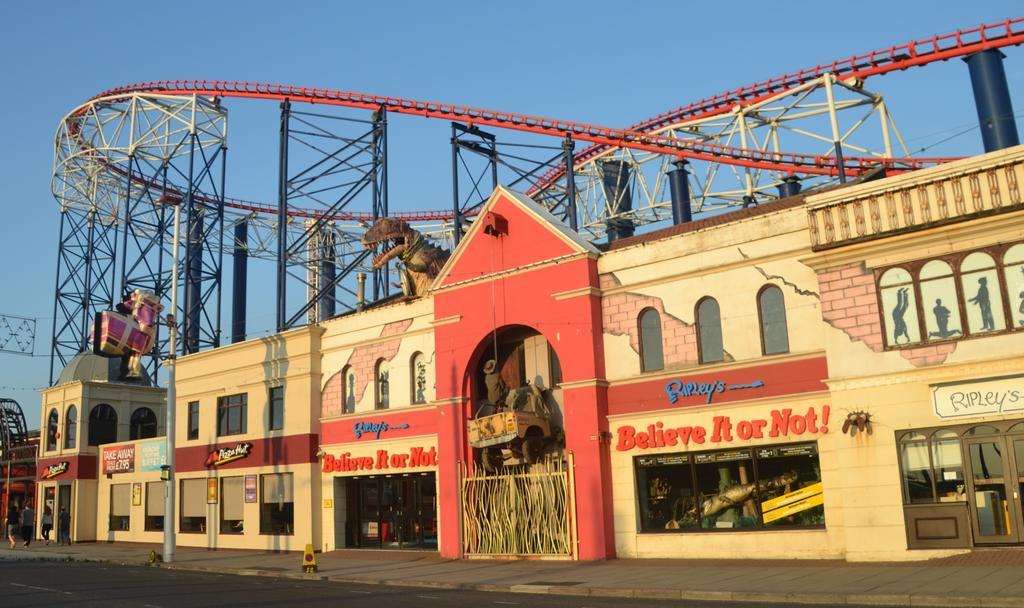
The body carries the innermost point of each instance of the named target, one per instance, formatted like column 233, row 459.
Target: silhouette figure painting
column 942, row 320
column 898, row 323
column 350, row 394
column 981, row 299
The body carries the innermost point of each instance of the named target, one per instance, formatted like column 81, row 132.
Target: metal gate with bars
column 518, row 513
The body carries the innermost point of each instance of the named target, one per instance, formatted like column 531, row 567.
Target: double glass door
column 397, row 512
column 996, row 480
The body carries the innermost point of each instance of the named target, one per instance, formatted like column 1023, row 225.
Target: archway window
column 143, row 424
column 348, row 390
column 939, row 296
column 983, row 300
column 71, row 428
column 771, row 310
column 899, row 307
column 1013, row 269
column 709, row 331
column 652, row 357
column 102, row 425
column 382, row 385
column 52, row 428
column 418, row 378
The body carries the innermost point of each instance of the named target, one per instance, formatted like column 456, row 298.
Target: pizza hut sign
column 56, row 470
column 222, row 456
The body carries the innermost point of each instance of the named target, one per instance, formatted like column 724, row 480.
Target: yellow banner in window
column 794, row 507
column 786, row 499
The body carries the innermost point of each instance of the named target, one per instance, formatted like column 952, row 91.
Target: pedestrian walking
column 13, row 525
column 47, row 524
column 64, row 526
column 28, row 521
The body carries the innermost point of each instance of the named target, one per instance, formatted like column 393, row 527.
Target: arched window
column 771, row 310
column 102, row 425
column 984, row 303
column 1013, row 269
column 71, row 428
column 418, row 378
column 899, row 307
column 382, row 390
column 143, row 424
column 52, row 428
column 938, row 294
column 709, row 331
column 348, row 390
column 652, row 357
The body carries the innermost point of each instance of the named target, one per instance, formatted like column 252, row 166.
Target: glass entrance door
column 395, row 512
column 995, row 492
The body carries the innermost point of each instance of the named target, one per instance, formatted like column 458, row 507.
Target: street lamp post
column 172, row 329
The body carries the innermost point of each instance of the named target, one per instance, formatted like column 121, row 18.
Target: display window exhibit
column 736, row 489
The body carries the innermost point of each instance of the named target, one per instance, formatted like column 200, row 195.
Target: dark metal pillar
column 616, row 175
column 456, row 208
column 240, row 272
column 328, row 276
column 992, row 99
column 193, row 260
column 570, row 182
column 789, row 186
column 282, row 218
column 380, row 191
column 679, row 186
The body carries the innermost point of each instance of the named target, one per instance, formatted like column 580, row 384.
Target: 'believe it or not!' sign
column 979, row 397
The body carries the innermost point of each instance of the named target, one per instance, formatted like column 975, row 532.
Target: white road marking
column 41, row 588
column 362, row 592
column 430, row 597
column 507, row 603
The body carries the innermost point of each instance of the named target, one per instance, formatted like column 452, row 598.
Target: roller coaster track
column 641, row 136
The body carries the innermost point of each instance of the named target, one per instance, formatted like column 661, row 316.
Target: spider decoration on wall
column 857, row 422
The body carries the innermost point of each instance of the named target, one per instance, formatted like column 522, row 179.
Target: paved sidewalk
column 992, row 578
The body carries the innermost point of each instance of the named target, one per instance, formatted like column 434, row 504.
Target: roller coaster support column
column 992, row 98
column 379, row 150
column 679, row 185
column 328, row 260
column 837, row 141
column 456, row 207
column 282, row 218
column 570, row 182
column 240, row 271
column 193, row 261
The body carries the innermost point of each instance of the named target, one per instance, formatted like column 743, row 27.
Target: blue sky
column 600, row 62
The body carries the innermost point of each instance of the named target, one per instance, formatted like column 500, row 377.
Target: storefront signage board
column 382, row 460
column 152, row 455
column 250, row 488
column 681, row 388
column 222, row 456
column 364, row 427
column 979, row 397
column 779, row 423
column 118, row 459
column 136, row 494
column 211, row 490
column 56, row 470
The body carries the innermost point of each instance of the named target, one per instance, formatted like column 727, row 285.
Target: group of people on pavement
column 22, row 523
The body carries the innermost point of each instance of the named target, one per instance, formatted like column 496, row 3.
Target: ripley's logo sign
column 226, row 455
column 56, row 470
column 365, row 428
column 676, row 389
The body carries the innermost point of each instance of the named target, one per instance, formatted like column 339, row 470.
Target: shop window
column 276, row 398
column 143, row 424
column 1017, row 428
column 899, row 307
column 932, row 466
column 277, row 512
column 982, row 429
column 382, row 389
column 652, row 358
column 102, row 425
column 709, row 334
column 193, row 420
column 154, row 506
column 743, row 489
column 940, row 301
column 232, row 505
column 120, row 507
column 1013, row 271
column 981, row 292
column 232, row 414
column 771, row 311
column 52, row 430
column 71, row 428
column 348, row 390
column 193, row 505
column 418, row 376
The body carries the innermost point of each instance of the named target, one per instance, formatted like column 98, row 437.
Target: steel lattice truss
column 17, row 334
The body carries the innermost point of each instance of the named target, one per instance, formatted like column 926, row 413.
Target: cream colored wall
column 83, row 510
column 762, row 544
column 731, row 263
column 343, row 335
column 289, row 359
column 368, row 450
column 137, row 515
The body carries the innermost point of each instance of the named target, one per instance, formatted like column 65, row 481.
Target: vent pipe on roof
column 789, row 186
column 992, row 99
column 679, row 186
column 240, row 262
column 616, row 175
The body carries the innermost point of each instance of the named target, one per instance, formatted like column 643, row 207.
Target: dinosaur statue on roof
column 419, row 261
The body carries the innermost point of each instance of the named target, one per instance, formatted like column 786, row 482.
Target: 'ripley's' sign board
column 979, row 397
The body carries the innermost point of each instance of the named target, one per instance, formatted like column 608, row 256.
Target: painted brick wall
column 849, row 302
column 363, row 359
column 620, row 314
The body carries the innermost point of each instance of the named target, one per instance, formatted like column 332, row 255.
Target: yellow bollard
column 309, row 560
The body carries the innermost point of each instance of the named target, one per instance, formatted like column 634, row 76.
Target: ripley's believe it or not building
column 834, row 375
